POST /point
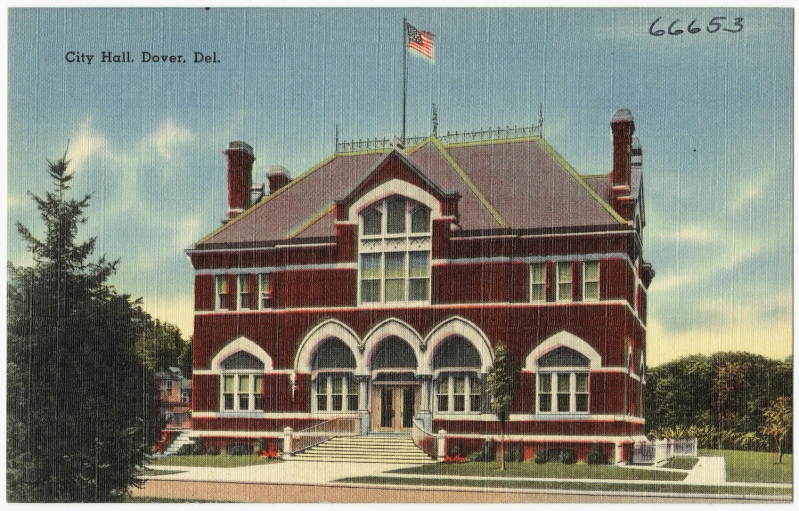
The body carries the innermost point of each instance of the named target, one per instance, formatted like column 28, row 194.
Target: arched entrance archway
column 394, row 402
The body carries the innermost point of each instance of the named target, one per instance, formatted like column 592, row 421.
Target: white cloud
column 688, row 234
column 188, row 231
column 748, row 191
column 167, row 136
column 84, row 145
column 771, row 338
column 721, row 259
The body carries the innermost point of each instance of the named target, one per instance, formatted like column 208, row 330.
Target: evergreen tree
column 82, row 410
column 502, row 379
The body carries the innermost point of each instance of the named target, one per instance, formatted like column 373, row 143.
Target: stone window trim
column 334, row 391
column 394, row 251
column 458, row 392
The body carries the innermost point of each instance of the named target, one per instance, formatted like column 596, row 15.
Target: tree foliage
column 82, row 410
column 723, row 395
column 502, row 379
column 161, row 346
column 778, row 421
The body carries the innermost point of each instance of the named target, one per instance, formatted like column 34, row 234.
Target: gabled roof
column 516, row 183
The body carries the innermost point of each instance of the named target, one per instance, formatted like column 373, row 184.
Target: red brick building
column 377, row 284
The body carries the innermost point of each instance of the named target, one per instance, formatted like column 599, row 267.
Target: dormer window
column 394, row 252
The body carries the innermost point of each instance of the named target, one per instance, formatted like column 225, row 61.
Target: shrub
column 541, row 456
column 199, row 447
column 453, row 450
column 487, row 453
column 596, row 456
column 212, row 450
column 238, row 449
column 568, row 457
column 186, row 449
column 513, row 452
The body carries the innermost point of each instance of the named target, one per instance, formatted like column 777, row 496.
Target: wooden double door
column 393, row 407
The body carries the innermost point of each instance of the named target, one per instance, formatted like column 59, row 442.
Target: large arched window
column 562, row 381
column 394, row 251
column 458, row 384
column 242, row 383
column 335, row 388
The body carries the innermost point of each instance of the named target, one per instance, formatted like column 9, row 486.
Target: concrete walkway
column 708, row 471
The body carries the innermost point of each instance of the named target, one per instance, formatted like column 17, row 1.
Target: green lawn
column 149, row 500
column 572, row 485
column 545, row 470
column 681, row 463
column 220, row 460
column 156, row 472
column 754, row 467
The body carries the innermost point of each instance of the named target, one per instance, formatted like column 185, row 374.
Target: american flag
column 420, row 41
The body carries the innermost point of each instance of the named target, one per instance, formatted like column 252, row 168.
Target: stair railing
column 424, row 440
column 322, row 432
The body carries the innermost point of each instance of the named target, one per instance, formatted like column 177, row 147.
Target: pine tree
column 82, row 410
column 502, row 379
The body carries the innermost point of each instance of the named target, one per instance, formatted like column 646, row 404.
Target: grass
column 220, row 460
column 754, row 467
column 681, row 463
column 156, row 472
column 546, row 470
column 572, row 485
column 148, row 500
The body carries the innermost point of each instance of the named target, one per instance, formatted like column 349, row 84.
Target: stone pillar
column 288, row 435
column 363, row 403
column 425, row 412
column 441, row 444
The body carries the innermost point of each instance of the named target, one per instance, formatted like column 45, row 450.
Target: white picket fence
column 659, row 451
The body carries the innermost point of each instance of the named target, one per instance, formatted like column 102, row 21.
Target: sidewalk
column 708, row 471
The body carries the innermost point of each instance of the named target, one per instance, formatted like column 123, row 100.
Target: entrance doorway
column 393, row 407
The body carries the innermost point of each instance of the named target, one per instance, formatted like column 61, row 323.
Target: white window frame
column 264, row 291
column 347, row 385
column 242, row 288
column 558, row 282
column 405, row 243
column 555, row 374
column 251, row 394
column 542, row 283
column 467, row 394
column 585, row 282
column 231, row 294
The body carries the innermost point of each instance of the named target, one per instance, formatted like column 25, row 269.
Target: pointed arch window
column 562, row 382
column 242, row 383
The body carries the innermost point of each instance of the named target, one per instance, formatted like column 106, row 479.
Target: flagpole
column 404, row 74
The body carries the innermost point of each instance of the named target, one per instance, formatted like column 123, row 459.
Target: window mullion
column 329, row 396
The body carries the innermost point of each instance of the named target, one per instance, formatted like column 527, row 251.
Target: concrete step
column 366, row 449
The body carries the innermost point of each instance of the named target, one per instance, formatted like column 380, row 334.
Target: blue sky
column 713, row 112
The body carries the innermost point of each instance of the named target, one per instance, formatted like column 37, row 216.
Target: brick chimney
column 622, row 126
column 278, row 178
column 239, row 178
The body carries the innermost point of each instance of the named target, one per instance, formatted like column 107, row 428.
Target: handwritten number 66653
column 712, row 27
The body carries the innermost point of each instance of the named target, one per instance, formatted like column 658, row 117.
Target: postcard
column 400, row 255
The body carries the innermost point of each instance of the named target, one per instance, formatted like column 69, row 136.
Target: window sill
column 237, row 413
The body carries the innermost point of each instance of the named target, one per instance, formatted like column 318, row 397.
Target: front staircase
column 367, row 449
column 182, row 439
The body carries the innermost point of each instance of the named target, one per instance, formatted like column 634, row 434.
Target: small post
column 441, row 444
column 288, row 435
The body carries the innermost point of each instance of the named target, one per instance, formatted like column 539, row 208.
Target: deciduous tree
column 778, row 420
column 502, row 379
